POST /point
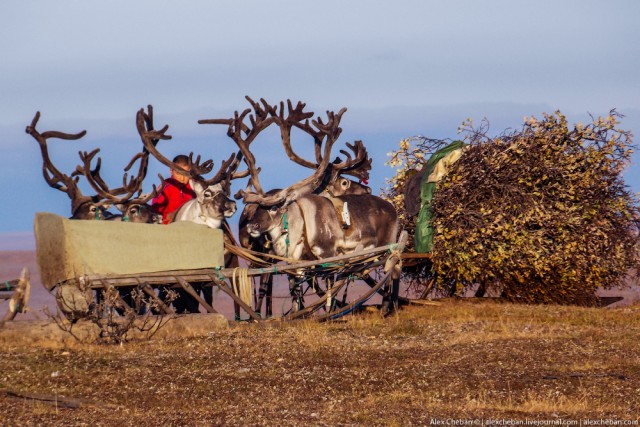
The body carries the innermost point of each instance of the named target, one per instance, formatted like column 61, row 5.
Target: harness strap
column 285, row 225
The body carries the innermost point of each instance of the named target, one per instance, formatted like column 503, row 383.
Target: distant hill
column 17, row 241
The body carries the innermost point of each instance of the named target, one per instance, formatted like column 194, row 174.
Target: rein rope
column 242, row 285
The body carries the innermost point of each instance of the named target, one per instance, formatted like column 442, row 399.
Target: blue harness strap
column 285, row 225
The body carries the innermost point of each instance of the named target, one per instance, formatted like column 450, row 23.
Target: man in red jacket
column 175, row 192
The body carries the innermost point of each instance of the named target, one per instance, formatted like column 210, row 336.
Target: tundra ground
column 455, row 360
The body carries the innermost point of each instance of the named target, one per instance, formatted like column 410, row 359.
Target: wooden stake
column 187, row 287
column 223, row 285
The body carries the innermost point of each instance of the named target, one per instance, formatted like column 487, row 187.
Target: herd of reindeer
column 324, row 215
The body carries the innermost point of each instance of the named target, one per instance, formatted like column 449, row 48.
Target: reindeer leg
column 192, row 304
column 337, row 302
column 292, row 285
column 295, row 290
column 162, row 296
column 390, row 301
column 395, row 291
column 330, row 303
column 262, row 292
column 127, row 298
column 257, row 299
column 207, row 293
column 316, row 287
column 236, row 311
column 269, row 297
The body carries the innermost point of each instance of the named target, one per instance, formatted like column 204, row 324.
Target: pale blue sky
column 402, row 68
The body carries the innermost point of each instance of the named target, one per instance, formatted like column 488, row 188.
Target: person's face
column 183, row 179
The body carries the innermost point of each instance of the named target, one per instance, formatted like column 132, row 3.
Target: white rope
column 242, row 286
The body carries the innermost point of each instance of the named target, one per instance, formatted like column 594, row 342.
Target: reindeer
column 137, row 209
column 300, row 223
column 94, row 207
column 262, row 242
column 82, row 207
column 244, row 132
column 133, row 209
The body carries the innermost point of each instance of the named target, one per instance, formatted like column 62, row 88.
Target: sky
column 402, row 68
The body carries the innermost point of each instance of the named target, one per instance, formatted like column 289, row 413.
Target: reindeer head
column 255, row 221
column 137, row 212
column 214, row 200
column 91, row 211
column 342, row 186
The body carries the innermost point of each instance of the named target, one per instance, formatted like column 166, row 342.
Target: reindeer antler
column 98, row 184
column 261, row 119
column 198, row 168
column 150, row 137
column 131, row 186
column 53, row 177
column 325, row 133
column 358, row 166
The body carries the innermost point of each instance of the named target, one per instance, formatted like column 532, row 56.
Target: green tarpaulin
column 432, row 172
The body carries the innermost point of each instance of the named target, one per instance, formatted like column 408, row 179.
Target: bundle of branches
column 409, row 160
column 540, row 214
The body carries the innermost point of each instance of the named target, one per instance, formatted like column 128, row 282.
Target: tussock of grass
column 534, row 403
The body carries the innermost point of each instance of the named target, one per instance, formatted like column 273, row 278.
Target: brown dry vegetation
column 452, row 360
column 539, row 214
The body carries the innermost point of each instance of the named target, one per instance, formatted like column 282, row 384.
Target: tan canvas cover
column 68, row 249
column 441, row 168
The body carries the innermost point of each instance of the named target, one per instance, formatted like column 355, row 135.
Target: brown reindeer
column 133, row 209
column 82, row 207
column 297, row 221
column 246, row 126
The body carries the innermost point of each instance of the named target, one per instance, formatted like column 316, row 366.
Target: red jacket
column 170, row 198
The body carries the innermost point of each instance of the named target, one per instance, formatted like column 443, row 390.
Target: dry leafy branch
column 540, row 214
column 115, row 318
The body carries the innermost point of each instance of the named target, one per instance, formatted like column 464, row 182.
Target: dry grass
column 455, row 360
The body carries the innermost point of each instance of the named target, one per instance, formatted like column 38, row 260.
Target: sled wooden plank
column 203, row 275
